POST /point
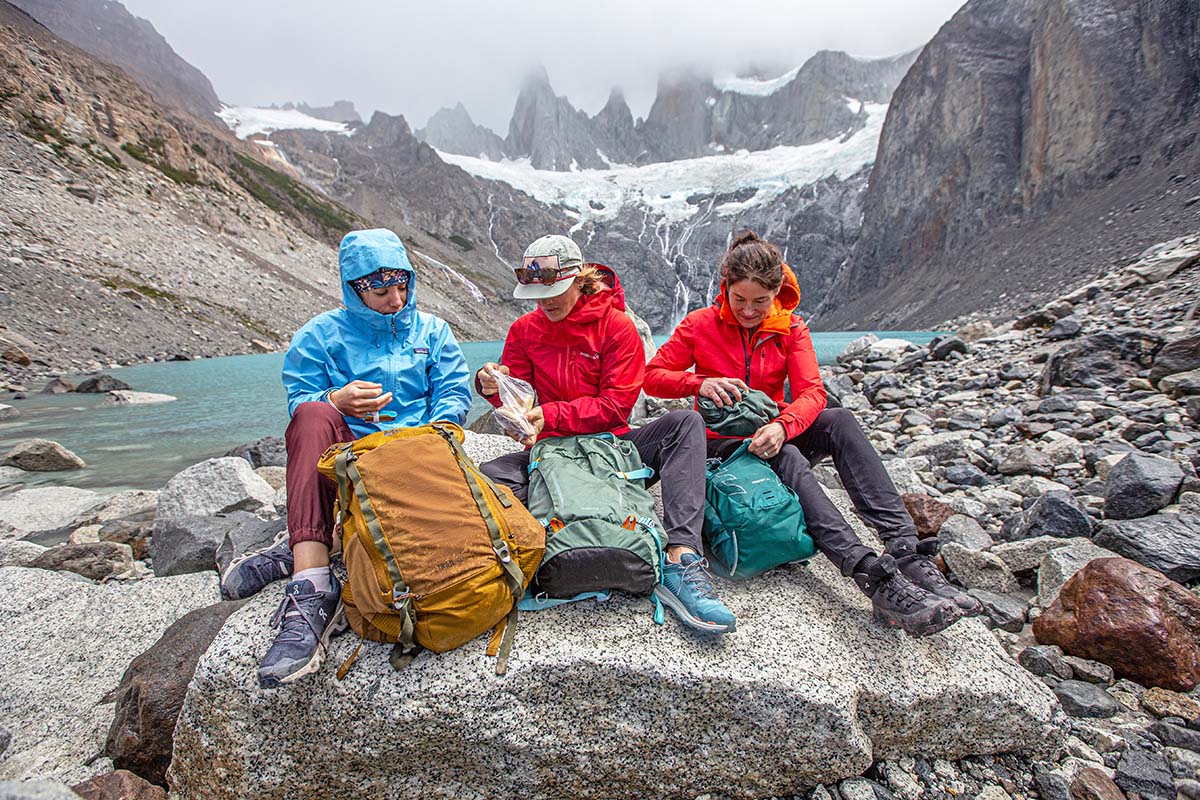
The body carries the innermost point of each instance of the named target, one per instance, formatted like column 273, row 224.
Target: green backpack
column 601, row 530
column 742, row 418
column 752, row 521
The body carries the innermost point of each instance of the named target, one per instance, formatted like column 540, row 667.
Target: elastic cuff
column 310, row 535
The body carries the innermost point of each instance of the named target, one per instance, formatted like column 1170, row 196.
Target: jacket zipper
column 746, row 353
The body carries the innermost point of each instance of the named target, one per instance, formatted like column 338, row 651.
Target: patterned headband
column 380, row 279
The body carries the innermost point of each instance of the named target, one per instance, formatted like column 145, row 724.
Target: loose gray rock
column 8, row 412
column 963, row 530
column 1102, row 359
column 1005, row 611
column 1180, row 355
column 940, row 448
column 127, row 397
column 215, row 486
column 93, row 560
column 269, row 451
column 19, row 553
column 1025, row 460
column 1140, row 484
column 1027, row 555
column 1056, row 514
column 966, row 475
column 1060, row 564
column 1065, row 328
column 1146, row 774
column 1176, row 735
column 979, row 569
column 41, row 455
column 1091, row 671
column 102, row 384
column 43, row 508
column 58, row 386
column 1041, row 659
column 51, row 619
column 35, row 790
column 1082, row 699
column 1182, row 384
column 189, row 544
column 1169, row 543
column 833, row 706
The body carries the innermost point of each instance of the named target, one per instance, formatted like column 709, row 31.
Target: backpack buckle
column 502, row 552
column 398, row 598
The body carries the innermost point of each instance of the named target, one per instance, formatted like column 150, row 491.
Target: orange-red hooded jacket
column 587, row 369
column 779, row 350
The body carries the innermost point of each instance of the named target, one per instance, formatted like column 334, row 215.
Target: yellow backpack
column 436, row 552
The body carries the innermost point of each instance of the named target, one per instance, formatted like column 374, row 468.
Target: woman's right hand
column 487, row 384
column 723, row 391
column 359, row 398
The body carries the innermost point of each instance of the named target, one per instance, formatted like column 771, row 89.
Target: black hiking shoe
column 917, row 565
column 902, row 604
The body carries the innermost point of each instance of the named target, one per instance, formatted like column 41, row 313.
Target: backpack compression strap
column 348, row 475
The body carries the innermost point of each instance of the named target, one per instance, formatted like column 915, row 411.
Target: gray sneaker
column 249, row 574
column 306, row 619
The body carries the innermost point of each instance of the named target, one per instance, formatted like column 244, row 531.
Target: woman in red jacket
column 583, row 356
column 751, row 338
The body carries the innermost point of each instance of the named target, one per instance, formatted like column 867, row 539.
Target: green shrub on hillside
column 287, row 196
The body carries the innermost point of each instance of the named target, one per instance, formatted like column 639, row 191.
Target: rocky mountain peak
column 453, row 131
column 108, row 31
column 548, row 130
column 338, row 111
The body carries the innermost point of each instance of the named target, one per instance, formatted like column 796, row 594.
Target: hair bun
column 745, row 237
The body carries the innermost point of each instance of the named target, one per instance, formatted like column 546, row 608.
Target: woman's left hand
column 768, row 440
column 537, row 421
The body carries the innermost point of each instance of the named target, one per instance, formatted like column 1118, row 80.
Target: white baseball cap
column 554, row 256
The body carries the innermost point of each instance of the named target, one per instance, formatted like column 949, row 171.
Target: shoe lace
column 928, row 570
column 696, row 575
column 292, row 625
column 269, row 564
column 902, row 593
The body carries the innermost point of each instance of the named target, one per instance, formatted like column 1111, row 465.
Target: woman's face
column 385, row 300
column 750, row 302
column 557, row 308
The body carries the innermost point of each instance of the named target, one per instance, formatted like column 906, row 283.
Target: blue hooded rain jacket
column 410, row 353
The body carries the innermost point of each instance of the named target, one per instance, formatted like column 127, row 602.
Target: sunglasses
column 541, row 269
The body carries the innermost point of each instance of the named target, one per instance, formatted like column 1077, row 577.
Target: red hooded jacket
column 713, row 341
column 587, row 369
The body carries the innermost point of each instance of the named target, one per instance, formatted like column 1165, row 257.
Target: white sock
column 319, row 576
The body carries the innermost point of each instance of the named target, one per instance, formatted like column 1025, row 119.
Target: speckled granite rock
column 65, row 644
column 42, row 508
column 601, row 702
column 486, row 446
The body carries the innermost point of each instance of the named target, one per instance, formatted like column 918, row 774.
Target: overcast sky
column 412, row 59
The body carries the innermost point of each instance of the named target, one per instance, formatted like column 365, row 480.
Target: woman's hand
column 768, row 440
column 723, row 391
column 359, row 398
column 487, row 384
column 537, row 421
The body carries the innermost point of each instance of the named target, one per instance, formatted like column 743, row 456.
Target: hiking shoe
column 687, row 590
column 249, row 574
column 919, row 568
column 306, row 619
column 902, row 604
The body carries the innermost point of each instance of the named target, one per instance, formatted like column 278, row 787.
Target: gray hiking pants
column 672, row 446
column 836, row 434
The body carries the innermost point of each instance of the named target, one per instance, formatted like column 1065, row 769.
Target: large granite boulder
column 601, row 702
column 43, row 508
column 190, row 544
column 269, row 451
column 35, row 790
column 41, row 455
column 1140, row 623
column 1056, row 513
column 1169, row 543
column 215, row 486
column 1102, row 359
column 152, row 689
column 66, row 642
column 1180, row 355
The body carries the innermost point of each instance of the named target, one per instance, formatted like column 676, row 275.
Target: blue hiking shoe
column 249, row 574
column 687, row 590
column 306, row 619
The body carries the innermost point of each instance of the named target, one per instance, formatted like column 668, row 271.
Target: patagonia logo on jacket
column 421, row 351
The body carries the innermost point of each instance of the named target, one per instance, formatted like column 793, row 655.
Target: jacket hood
column 363, row 252
column 779, row 318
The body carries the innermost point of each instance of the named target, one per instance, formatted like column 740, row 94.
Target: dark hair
column 749, row 257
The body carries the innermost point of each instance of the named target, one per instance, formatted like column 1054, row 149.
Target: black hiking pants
column 836, row 434
column 672, row 446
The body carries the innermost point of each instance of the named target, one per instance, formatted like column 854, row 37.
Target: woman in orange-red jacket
column 751, row 338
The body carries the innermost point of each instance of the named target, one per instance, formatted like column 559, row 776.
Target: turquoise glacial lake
column 222, row 403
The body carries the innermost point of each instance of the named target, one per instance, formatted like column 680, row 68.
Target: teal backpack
column 752, row 521
column 601, row 530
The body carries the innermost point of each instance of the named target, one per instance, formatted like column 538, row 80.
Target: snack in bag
column 516, row 398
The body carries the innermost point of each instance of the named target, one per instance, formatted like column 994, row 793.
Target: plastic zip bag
column 516, row 398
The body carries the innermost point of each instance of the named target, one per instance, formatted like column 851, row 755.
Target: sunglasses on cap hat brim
column 544, row 270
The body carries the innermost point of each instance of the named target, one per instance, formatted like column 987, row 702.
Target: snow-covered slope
column 246, row 121
column 663, row 189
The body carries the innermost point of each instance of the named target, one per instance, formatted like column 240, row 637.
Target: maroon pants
column 310, row 495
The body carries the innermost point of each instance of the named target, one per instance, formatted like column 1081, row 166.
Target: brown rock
column 95, row 560
column 152, row 689
column 58, row 386
column 927, row 514
column 41, row 455
column 16, row 355
column 1136, row 620
column 1091, row 783
column 1165, row 703
column 119, row 785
